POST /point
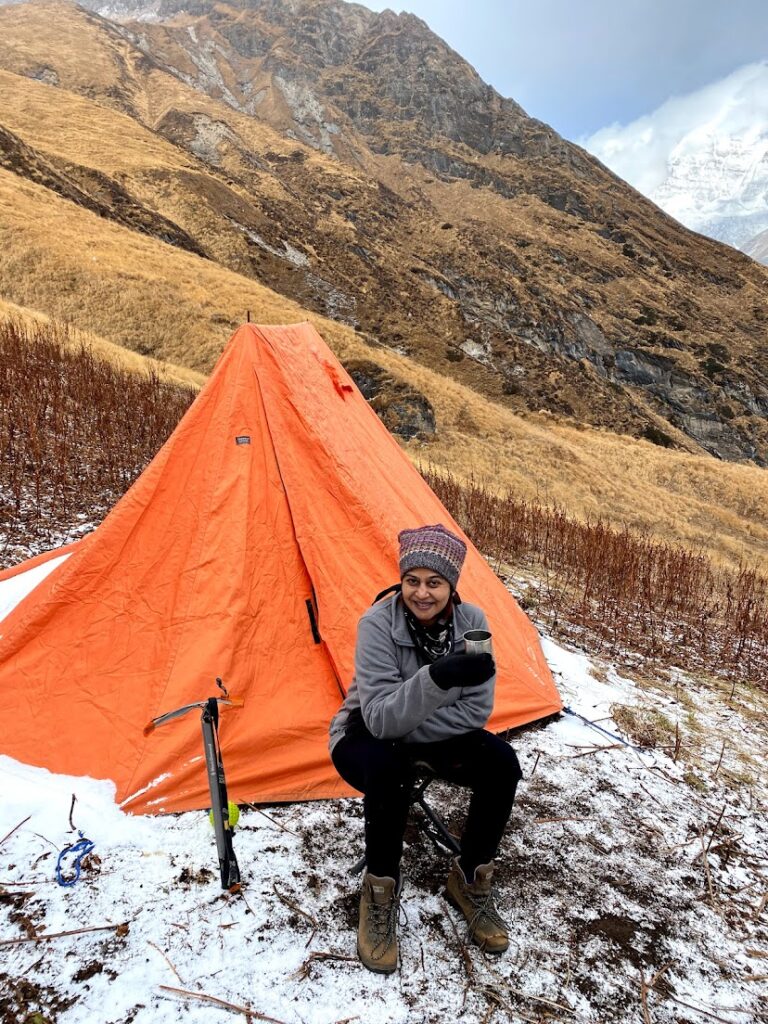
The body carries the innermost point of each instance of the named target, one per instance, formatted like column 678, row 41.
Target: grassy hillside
column 142, row 294
column 527, row 272
column 33, row 322
column 81, row 226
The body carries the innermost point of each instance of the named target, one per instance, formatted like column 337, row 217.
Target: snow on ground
column 16, row 588
column 634, row 885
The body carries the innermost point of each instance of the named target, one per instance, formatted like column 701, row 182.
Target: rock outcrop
column 403, row 410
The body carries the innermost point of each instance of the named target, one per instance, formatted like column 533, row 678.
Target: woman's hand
column 462, row 670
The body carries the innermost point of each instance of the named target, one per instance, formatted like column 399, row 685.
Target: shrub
column 75, row 432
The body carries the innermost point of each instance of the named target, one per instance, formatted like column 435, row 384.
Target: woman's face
column 426, row 594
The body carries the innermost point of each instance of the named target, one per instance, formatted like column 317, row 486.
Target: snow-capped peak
column 702, row 157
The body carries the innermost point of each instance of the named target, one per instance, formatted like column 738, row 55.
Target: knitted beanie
column 432, row 547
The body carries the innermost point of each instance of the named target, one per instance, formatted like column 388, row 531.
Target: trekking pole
column 217, row 783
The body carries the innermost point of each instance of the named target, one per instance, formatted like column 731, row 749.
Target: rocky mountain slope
column 353, row 163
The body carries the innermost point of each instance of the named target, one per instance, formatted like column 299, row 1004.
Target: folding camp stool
column 430, row 822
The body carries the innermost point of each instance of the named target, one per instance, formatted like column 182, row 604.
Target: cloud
column 735, row 107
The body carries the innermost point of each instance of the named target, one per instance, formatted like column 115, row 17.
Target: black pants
column 384, row 771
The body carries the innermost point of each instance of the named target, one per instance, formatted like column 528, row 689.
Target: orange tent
column 279, row 494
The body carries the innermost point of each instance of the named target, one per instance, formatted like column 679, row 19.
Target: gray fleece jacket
column 393, row 687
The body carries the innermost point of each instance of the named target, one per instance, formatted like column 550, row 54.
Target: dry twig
column 597, row 750
column 241, row 894
column 492, row 994
column 648, row 986
column 719, row 762
column 541, row 999
column 552, row 821
column 717, row 826
column 707, row 872
column 303, row 972
column 33, row 881
column 121, row 929
column 648, row 793
column 760, row 906
column 32, row 967
column 294, row 906
column 705, row 1013
column 469, row 967
column 163, row 955
column 249, row 1013
column 15, row 827
column 678, row 743
column 264, row 814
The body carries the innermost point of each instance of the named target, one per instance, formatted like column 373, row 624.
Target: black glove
column 462, row 670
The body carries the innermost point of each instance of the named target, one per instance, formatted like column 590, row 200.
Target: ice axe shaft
column 217, row 783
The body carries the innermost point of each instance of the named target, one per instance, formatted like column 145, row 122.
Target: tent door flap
column 313, row 622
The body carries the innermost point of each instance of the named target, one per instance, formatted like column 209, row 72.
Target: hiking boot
column 377, row 931
column 475, row 900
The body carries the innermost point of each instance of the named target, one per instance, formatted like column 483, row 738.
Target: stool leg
column 434, row 828
column 443, row 836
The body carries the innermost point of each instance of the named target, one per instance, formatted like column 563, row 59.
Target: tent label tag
column 243, row 439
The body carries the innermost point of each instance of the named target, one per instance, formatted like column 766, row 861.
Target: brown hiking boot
column 377, row 931
column 475, row 900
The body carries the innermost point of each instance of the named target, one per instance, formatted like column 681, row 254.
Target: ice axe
column 217, row 783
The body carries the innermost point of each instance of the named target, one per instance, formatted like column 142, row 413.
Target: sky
column 582, row 65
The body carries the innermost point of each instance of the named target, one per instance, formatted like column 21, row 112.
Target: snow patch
column 478, row 350
column 15, row 589
column 601, row 879
column 289, row 252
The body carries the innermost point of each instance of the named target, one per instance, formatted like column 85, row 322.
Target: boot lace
column 484, row 907
column 382, row 923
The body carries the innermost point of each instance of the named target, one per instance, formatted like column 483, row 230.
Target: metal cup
column 478, row 641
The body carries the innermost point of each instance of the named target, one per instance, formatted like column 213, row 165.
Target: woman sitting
column 418, row 699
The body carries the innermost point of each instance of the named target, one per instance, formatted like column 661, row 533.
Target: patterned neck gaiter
column 432, row 642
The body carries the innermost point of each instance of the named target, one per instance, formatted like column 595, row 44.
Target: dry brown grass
column 645, row 726
column 75, row 432
column 626, row 594
column 69, row 126
column 32, row 321
column 170, row 181
column 138, row 293
column 721, row 508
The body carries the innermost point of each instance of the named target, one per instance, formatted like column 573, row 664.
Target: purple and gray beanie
column 432, row 547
